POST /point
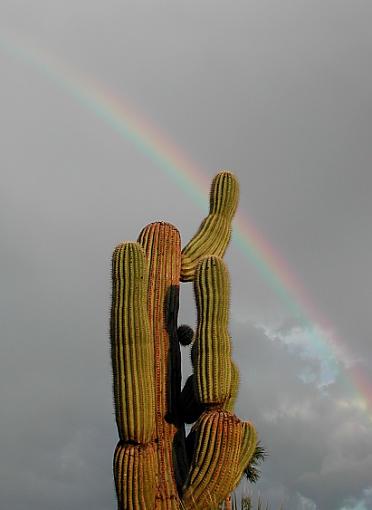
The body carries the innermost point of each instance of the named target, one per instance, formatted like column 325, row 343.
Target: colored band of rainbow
column 121, row 117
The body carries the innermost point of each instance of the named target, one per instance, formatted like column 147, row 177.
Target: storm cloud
column 278, row 92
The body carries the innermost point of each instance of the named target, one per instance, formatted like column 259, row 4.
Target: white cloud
column 319, row 443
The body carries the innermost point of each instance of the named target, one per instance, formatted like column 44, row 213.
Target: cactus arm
column 213, row 370
column 214, row 233
column 132, row 360
column 135, row 474
column 218, row 444
column 223, row 445
column 220, row 438
column 131, row 346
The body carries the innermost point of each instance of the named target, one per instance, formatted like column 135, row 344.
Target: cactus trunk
column 161, row 242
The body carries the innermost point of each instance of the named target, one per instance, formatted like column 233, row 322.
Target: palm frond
column 252, row 472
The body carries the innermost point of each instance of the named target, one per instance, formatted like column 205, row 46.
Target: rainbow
column 148, row 138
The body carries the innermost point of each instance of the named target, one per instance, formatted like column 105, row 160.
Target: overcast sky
column 278, row 92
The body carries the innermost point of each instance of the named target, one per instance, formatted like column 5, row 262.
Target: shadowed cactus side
column 155, row 465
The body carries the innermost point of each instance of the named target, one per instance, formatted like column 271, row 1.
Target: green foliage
column 252, row 472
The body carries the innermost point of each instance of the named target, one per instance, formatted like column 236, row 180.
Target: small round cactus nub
column 185, row 334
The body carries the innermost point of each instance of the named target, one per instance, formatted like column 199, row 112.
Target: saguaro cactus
column 155, row 465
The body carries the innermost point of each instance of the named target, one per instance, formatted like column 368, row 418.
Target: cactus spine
column 155, row 466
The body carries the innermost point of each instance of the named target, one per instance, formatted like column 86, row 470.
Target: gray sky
column 278, row 92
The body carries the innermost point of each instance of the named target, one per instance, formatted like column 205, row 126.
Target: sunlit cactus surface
column 156, row 465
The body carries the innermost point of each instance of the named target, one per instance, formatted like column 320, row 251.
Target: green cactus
column 212, row 343
column 155, row 465
column 132, row 350
column 214, row 233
